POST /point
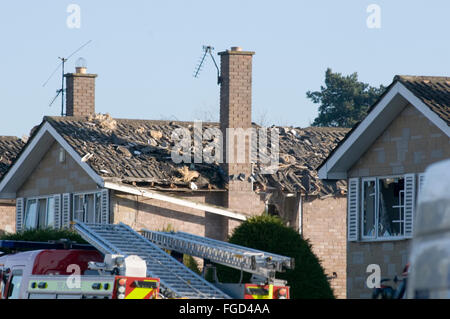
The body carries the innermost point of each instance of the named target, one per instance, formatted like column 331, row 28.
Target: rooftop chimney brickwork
column 80, row 93
column 236, row 113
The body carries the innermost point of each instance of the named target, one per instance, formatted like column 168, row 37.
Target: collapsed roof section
column 138, row 152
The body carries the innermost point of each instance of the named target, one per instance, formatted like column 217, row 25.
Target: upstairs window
column 383, row 207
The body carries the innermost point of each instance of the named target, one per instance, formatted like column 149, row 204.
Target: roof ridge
column 422, row 77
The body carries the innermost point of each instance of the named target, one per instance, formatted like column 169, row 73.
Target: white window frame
column 363, row 180
column 377, row 238
column 36, row 220
column 94, row 193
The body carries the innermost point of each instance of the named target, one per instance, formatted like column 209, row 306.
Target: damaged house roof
column 10, row 147
column 139, row 152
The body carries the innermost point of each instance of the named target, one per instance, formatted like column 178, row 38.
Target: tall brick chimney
column 80, row 93
column 236, row 113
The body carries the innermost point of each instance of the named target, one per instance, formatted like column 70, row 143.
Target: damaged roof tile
column 139, row 151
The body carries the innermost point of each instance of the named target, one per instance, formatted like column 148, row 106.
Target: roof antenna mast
column 207, row 49
column 62, row 64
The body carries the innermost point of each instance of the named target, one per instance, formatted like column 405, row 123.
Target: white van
column 429, row 276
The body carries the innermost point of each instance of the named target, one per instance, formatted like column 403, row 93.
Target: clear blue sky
column 145, row 53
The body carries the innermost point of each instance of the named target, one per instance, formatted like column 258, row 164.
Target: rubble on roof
column 187, row 175
column 104, row 121
column 139, row 151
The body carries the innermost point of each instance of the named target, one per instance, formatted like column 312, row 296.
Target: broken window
column 87, row 207
column 383, row 207
column 369, row 209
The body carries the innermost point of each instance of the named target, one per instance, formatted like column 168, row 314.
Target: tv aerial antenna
column 207, row 50
column 62, row 89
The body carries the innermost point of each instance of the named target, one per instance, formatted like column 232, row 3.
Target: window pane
column 50, row 220
column 30, row 215
column 89, row 206
column 78, row 213
column 42, row 211
column 98, row 198
column 369, row 209
column 391, row 207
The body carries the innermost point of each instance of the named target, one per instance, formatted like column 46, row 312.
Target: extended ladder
column 239, row 257
column 176, row 280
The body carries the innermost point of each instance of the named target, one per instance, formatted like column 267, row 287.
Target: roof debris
column 104, row 121
column 139, row 151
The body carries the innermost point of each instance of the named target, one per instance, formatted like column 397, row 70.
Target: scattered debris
column 86, row 157
column 124, row 151
column 156, row 134
column 139, row 130
column 187, row 175
column 25, row 138
column 193, row 186
column 104, row 121
column 131, row 154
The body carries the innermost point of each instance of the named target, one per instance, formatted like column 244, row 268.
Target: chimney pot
column 80, row 70
column 236, row 49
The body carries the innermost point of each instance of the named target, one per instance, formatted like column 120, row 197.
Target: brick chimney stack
column 236, row 113
column 80, row 92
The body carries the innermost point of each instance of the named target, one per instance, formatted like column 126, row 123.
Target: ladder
column 176, row 280
column 254, row 261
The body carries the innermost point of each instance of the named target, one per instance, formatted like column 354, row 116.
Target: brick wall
column 7, row 216
column 408, row 145
column 236, row 113
column 391, row 256
column 80, row 94
column 53, row 177
column 324, row 224
column 140, row 212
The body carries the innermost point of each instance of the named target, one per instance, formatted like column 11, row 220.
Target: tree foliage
column 268, row 233
column 343, row 101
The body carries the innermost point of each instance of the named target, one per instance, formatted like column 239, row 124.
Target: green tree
column 343, row 101
column 268, row 233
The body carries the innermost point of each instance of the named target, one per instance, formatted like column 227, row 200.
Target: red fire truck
column 73, row 274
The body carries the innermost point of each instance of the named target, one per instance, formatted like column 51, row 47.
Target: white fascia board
column 175, row 200
column 329, row 164
column 424, row 109
column 29, row 151
column 326, row 171
column 20, row 161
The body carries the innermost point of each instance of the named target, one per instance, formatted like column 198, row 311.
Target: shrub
column 268, row 233
column 188, row 261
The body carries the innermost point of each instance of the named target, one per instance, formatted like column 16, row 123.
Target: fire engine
column 137, row 265
column 72, row 274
